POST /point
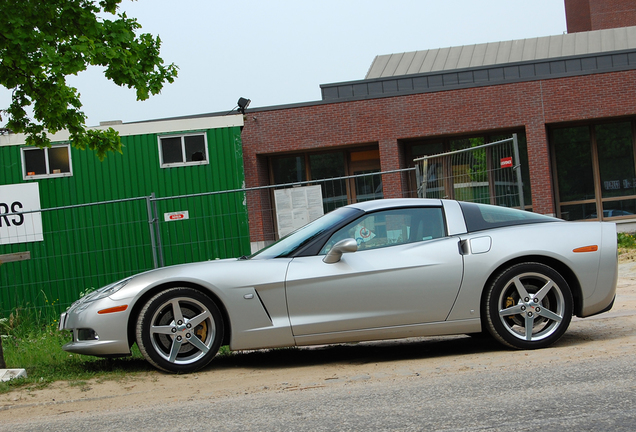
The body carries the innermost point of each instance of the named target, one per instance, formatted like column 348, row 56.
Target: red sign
column 506, row 162
column 175, row 216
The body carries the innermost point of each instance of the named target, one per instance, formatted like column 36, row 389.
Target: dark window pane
column 288, row 169
column 578, row 211
column 462, row 143
column 616, row 159
column 59, row 160
column 368, row 187
column 171, row 150
column 195, row 148
column 619, row 208
column 325, row 166
column 427, row 149
column 574, row 163
column 34, row 162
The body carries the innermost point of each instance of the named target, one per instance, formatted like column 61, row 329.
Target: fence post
column 159, row 249
column 515, row 144
column 151, row 222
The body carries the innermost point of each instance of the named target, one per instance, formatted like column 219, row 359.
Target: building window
column 345, row 176
column 496, row 191
column 182, row 150
column 54, row 161
column 595, row 171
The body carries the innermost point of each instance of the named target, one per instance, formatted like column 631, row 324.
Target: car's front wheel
column 528, row 306
column 179, row 330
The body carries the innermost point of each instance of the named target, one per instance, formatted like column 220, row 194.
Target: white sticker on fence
column 24, row 227
column 175, row 216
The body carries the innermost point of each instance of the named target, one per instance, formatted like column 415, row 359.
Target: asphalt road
column 588, row 395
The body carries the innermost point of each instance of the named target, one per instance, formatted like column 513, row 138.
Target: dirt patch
column 606, row 335
column 626, row 255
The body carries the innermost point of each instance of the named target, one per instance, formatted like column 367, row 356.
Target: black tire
column 184, row 344
column 528, row 306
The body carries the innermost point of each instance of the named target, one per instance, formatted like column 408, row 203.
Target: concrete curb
column 9, row 374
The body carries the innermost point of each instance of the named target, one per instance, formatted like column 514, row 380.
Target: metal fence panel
column 216, row 227
column 489, row 174
column 85, row 246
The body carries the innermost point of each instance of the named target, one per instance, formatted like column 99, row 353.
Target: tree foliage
column 42, row 42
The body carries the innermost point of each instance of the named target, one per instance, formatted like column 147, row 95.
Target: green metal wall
column 91, row 246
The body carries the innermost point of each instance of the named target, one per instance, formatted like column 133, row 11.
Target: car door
column 406, row 271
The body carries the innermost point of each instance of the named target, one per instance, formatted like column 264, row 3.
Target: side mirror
column 346, row 245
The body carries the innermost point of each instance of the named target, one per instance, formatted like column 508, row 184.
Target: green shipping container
column 48, row 258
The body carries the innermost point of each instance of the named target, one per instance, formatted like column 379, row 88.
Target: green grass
column 33, row 343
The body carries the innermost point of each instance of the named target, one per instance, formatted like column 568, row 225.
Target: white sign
column 296, row 207
column 175, row 216
column 20, row 228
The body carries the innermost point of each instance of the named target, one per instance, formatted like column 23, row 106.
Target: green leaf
column 42, row 42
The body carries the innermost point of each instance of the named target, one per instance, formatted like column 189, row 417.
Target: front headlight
column 107, row 290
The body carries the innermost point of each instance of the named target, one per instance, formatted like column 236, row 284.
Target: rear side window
column 480, row 217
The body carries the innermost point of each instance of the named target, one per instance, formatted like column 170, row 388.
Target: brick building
column 588, row 15
column 571, row 98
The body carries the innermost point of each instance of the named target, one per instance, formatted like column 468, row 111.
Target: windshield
column 288, row 244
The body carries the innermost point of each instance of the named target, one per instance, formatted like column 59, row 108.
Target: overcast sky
column 277, row 52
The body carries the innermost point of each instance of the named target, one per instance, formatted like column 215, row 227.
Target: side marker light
column 113, row 309
column 593, row 248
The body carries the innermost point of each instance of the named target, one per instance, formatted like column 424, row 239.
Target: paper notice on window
column 296, row 207
column 314, row 198
column 283, row 200
column 299, row 198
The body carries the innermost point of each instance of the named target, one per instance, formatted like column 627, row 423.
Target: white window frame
column 183, row 152
column 48, row 174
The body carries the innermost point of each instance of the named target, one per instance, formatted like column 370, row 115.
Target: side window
column 54, row 161
column 391, row 227
column 181, row 150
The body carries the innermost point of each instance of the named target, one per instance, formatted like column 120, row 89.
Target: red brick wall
column 385, row 121
column 577, row 15
column 608, row 14
column 586, row 15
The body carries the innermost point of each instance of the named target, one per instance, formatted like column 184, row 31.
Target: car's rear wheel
column 179, row 330
column 528, row 306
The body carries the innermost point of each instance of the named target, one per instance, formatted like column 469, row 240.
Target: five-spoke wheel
column 528, row 306
column 179, row 330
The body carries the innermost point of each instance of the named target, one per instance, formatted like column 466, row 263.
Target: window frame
column 598, row 200
column 182, row 137
column 48, row 174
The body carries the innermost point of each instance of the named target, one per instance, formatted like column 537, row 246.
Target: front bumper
column 103, row 335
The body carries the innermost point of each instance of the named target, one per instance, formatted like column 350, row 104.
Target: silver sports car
column 376, row 270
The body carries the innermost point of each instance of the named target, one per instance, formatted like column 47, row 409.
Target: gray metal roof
column 495, row 53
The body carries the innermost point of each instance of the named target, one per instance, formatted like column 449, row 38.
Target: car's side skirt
column 414, row 330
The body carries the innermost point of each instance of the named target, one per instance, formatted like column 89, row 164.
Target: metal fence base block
column 9, row 374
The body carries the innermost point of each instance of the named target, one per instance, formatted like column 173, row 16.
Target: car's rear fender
column 553, row 244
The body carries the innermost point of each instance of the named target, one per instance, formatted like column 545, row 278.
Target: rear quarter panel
column 595, row 272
